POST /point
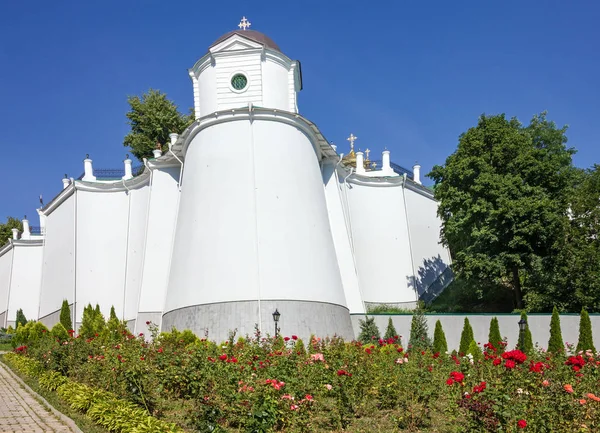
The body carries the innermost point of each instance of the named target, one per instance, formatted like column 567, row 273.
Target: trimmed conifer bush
column 368, row 330
column 439, row 339
column 65, row 315
column 586, row 341
column 555, row 344
column 494, row 336
column 475, row 351
column 20, row 319
column 390, row 332
column 465, row 338
column 419, row 331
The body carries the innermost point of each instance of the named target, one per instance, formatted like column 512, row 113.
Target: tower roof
column 253, row 35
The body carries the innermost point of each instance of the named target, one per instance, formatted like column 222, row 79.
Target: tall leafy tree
column 6, row 229
column 503, row 199
column 152, row 118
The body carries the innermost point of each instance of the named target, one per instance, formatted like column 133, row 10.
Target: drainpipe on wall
column 173, row 136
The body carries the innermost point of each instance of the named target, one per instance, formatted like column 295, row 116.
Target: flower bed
column 265, row 384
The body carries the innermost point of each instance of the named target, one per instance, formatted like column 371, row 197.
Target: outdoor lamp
column 276, row 315
column 522, row 324
column 522, row 327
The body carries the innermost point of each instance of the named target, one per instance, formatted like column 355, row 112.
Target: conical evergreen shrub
column 586, row 341
column 439, row 339
column 65, row 315
column 20, row 319
column 555, row 344
column 527, row 339
column 113, row 315
column 475, row 351
column 465, row 338
column 419, row 331
column 368, row 330
column 494, row 337
column 390, row 332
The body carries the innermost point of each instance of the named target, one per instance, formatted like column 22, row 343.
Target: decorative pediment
column 235, row 42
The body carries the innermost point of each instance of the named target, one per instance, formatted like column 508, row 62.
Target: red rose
column 449, row 382
column 294, row 337
column 286, row 339
column 521, row 423
column 497, row 361
column 223, row 357
column 509, row 363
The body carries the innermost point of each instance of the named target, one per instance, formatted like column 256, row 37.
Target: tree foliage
column 555, row 344
column 20, row 319
column 503, row 199
column 6, row 229
column 368, row 330
column 152, row 118
column 92, row 322
column 439, row 339
column 494, row 335
column 419, row 331
column 65, row 315
column 466, row 337
column 585, row 341
column 390, row 331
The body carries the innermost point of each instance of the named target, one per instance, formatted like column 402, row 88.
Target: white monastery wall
column 58, row 268
column 381, row 244
column 207, row 92
column 275, row 85
column 160, row 229
column 429, row 256
column 5, row 270
column 335, row 194
column 136, row 243
column 26, row 280
column 226, row 67
column 102, row 226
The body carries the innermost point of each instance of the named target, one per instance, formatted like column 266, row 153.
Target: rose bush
column 258, row 384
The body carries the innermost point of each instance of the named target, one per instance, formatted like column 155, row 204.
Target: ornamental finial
column 352, row 139
column 244, row 23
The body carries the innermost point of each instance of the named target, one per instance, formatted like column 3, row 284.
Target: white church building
column 251, row 210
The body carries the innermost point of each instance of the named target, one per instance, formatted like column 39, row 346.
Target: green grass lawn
column 5, row 347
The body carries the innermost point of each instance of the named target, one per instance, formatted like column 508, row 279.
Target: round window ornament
column 239, row 82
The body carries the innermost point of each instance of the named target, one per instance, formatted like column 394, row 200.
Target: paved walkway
column 21, row 412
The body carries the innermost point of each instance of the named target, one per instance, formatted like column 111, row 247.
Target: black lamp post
column 522, row 327
column 276, row 315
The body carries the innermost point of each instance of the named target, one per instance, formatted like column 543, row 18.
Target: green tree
column 390, row 332
column 555, row 344
column 6, row 229
column 65, row 315
column 527, row 343
column 419, row 331
column 475, row 351
column 152, row 118
column 59, row 332
column 368, row 330
column 503, row 198
column 465, row 338
column 494, row 335
column 586, row 341
column 20, row 319
column 439, row 339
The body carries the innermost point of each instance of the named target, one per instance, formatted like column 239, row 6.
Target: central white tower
column 252, row 232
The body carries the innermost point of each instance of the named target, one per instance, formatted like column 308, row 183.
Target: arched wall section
column 381, row 244
column 58, row 267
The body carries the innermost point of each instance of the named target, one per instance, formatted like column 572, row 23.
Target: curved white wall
column 5, row 266
column 58, row 268
column 381, row 243
column 253, row 221
column 276, row 83
column 25, row 281
column 101, row 250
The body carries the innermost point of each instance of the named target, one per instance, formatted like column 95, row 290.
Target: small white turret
column 360, row 163
column 174, row 137
column 417, row 173
column 128, row 173
column 385, row 162
column 88, row 170
column 26, row 230
column 158, row 151
column 66, row 182
column 15, row 233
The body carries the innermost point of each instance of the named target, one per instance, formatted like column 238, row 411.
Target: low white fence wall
column 539, row 324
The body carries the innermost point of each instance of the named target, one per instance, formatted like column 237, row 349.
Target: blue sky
column 409, row 76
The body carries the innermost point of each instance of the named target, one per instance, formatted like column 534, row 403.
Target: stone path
column 21, row 412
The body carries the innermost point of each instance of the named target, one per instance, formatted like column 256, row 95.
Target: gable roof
column 253, row 35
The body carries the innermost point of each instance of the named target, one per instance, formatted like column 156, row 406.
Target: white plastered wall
column 26, row 281
column 102, row 226
column 135, row 250
column 340, row 230
column 162, row 211
column 58, row 264
column 253, row 221
column 430, row 257
column 5, row 268
column 381, row 243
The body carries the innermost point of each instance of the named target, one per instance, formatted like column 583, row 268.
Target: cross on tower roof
column 352, row 139
column 244, row 23
column 367, row 153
